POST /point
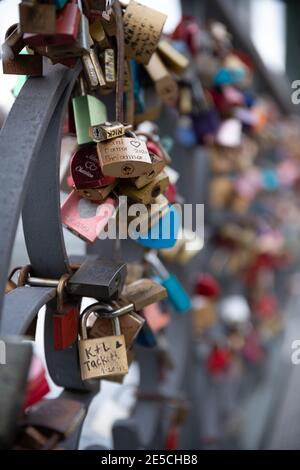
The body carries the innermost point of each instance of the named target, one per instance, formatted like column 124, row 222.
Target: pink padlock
column 86, row 171
column 85, row 218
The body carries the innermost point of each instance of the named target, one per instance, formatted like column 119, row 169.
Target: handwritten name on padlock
column 103, row 357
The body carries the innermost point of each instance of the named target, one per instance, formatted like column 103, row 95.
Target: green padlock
column 88, row 111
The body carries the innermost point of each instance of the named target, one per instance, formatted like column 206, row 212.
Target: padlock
column 66, row 29
column 177, row 295
column 65, row 319
column 36, row 17
column 60, row 3
column 87, row 219
column 144, row 292
column 86, row 171
column 56, row 418
column 37, row 384
column 130, row 324
column 165, row 85
column 97, row 194
column 163, row 234
column 105, row 356
column 88, row 111
column 100, row 279
column 14, row 368
column 152, row 214
column 92, row 70
column 107, row 131
column 124, row 157
column 174, row 59
column 158, row 165
column 109, row 67
column 204, row 313
column 15, row 63
column 156, row 316
column 142, row 30
column 98, row 34
column 148, row 193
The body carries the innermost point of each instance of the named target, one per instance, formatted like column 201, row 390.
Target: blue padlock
column 270, row 179
column 60, row 3
column 186, row 134
column 163, row 234
column 177, row 294
column 137, row 90
column 146, row 337
column 226, row 76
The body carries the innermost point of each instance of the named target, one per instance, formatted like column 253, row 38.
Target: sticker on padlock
column 105, row 356
column 148, row 193
column 124, row 157
column 86, row 171
column 142, row 30
column 163, row 234
column 177, row 295
column 85, row 218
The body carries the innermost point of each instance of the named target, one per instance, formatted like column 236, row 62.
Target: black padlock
column 101, row 279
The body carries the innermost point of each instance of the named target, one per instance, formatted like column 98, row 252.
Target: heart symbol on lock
column 135, row 143
column 118, row 345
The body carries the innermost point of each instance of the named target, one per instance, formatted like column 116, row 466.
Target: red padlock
column 37, row 385
column 171, row 193
column 65, row 321
column 66, row 29
column 207, row 286
column 86, row 171
column 153, row 148
column 188, row 31
column 218, row 360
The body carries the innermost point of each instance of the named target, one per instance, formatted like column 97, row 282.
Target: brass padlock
column 153, row 213
column 144, row 292
column 142, row 30
column 130, row 324
column 109, row 67
column 105, row 356
column 174, row 59
column 97, row 194
column 98, row 34
column 92, row 70
column 107, row 131
column 158, row 164
column 124, row 157
column 148, row 193
column 37, row 17
column 165, row 85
